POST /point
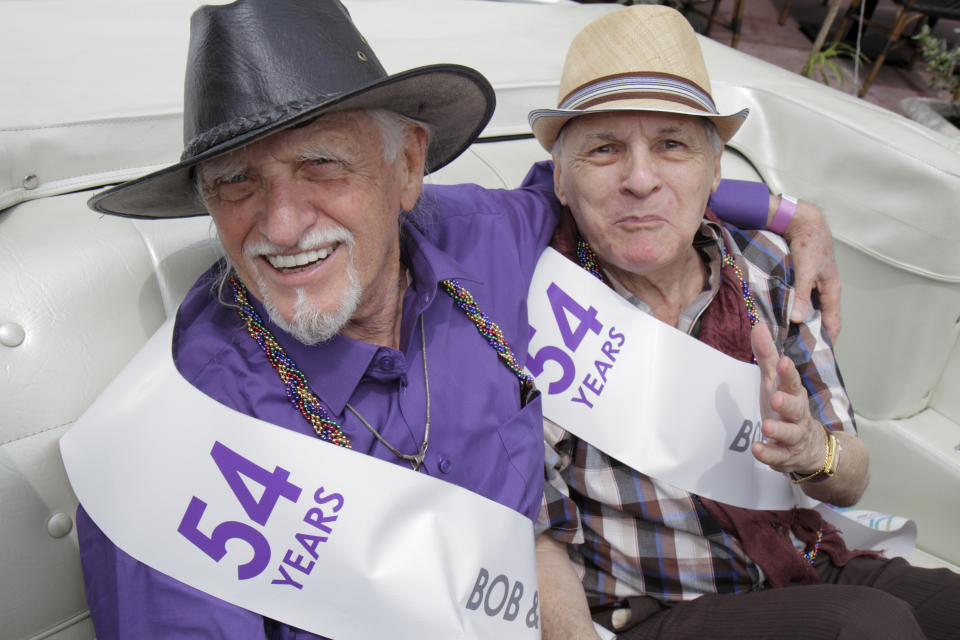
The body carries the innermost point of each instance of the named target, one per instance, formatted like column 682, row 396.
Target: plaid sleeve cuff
column 559, row 515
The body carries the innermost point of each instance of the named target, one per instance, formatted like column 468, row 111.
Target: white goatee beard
column 309, row 324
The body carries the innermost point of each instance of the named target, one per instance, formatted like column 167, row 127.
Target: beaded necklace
column 488, row 329
column 588, row 260
column 294, row 381
column 811, row 556
column 307, row 403
column 744, row 286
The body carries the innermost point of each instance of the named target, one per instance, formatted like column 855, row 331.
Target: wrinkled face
column 637, row 184
column 309, row 219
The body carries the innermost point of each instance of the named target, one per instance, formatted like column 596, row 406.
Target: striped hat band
column 633, row 86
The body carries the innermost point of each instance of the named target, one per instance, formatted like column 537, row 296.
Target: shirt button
column 386, row 363
column 444, row 466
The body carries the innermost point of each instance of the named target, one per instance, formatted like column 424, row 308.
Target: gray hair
column 713, row 136
column 393, row 127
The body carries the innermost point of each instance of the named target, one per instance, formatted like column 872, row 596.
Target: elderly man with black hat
column 687, row 536
column 349, row 309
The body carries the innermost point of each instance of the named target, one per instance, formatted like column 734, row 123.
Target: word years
column 596, row 385
column 310, row 540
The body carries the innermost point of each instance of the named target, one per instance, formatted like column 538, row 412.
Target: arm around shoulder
column 811, row 248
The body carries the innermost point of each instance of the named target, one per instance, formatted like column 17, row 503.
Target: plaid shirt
column 635, row 535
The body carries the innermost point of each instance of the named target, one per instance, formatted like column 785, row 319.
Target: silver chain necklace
column 416, row 461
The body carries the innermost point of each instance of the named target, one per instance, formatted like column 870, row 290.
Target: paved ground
column 788, row 47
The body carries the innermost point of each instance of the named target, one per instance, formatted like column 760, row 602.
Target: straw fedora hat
column 639, row 58
column 258, row 66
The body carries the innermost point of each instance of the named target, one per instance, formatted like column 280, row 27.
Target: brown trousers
column 867, row 598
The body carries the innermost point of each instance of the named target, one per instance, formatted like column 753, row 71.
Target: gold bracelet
column 830, row 462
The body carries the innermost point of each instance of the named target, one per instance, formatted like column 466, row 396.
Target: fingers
column 830, row 306
column 790, row 401
column 802, row 287
column 811, row 249
column 789, row 446
column 761, row 341
column 781, row 384
column 828, row 290
column 776, row 457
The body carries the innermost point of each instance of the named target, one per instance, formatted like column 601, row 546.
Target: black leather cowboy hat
column 258, row 66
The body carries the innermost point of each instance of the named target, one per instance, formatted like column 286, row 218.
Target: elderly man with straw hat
column 350, row 310
column 636, row 142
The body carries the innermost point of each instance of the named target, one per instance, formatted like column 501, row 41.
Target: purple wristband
column 742, row 203
column 784, row 214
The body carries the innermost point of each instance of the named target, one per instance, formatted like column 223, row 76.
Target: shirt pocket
column 522, row 438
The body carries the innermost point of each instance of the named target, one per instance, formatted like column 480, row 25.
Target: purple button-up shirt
column 480, row 439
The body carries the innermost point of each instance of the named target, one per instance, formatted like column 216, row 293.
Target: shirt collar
column 429, row 265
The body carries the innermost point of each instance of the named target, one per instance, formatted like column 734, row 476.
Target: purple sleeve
column 742, row 203
column 130, row 600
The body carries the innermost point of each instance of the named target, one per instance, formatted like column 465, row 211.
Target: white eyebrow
column 318, row 152
column 218, row 169
column 602, row 136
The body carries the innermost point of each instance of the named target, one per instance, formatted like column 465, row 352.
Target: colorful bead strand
column 487, row 328
column 587, row 258
column 744, row 287
column 294, row 381
column 811, row 555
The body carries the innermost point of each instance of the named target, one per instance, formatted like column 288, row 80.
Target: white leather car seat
column 79, row 292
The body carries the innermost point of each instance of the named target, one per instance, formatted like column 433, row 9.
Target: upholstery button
column 12, row 334
column 59, row 525
column 444, row 466
column 31, row 182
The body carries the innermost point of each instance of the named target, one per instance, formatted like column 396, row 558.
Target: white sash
column 314, row 535
column 645, row 393
column 664, row 403
column 864, row 529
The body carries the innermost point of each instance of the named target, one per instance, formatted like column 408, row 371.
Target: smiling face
column 637, row 183
column 309, row 219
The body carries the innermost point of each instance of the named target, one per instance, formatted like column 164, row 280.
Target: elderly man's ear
column 557, row 186
column 716, row 170
column 412, row 165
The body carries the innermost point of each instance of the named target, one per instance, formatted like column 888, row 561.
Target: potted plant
column 943, row 64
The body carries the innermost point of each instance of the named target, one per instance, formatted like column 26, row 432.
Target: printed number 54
column 275, row 486
column 586, row 320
